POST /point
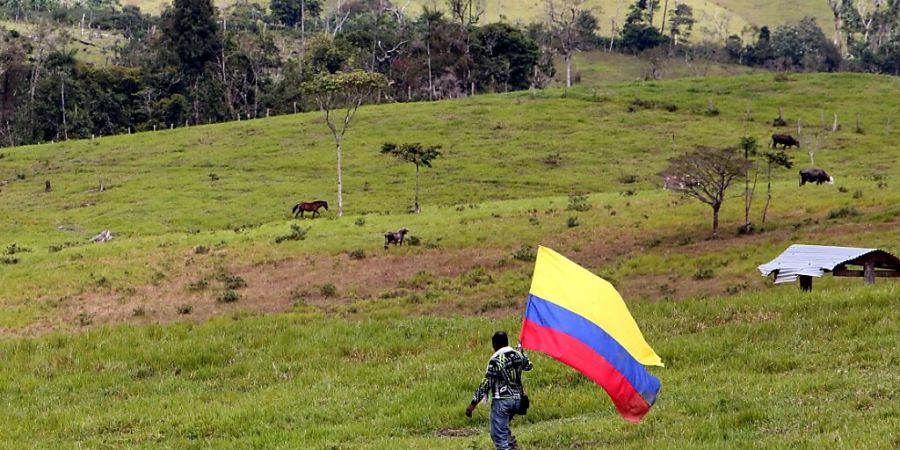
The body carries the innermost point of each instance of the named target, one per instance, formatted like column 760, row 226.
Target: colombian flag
column 579, row 319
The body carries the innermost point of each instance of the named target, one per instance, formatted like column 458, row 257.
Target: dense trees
column 195, row 64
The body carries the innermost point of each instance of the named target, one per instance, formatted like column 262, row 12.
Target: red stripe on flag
column 582, row 358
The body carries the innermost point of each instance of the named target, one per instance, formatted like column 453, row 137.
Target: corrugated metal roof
column 812, row 260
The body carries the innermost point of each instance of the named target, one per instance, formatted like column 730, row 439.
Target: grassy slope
column 162, row 202
column 768, row 369
column 775, row 370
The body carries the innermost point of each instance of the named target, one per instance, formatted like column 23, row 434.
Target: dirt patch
column 270, row 287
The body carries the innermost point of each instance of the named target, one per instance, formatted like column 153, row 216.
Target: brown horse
column 312, row 207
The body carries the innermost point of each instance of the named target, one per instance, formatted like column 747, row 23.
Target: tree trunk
column 715, row 230
column 418, row 210
column 662, row 25
column 568, row 70
column 340, row 185
column 768, row 192
column 430, row 76
column 62, row 101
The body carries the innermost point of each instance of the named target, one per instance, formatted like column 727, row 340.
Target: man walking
column 503, row 382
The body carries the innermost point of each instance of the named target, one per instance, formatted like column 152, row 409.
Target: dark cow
column 784, row 139
column 817, row 176
column 395, row 238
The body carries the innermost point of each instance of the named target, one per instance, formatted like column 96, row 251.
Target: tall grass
column 776, row 369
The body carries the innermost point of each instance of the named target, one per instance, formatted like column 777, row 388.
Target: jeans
column 502, row 410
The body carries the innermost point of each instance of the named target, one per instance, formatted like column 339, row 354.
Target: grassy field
column 333, row 342
column 773, row 370
column 190, row 204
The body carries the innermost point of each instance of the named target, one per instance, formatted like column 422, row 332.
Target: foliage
column 504, row 57
column 290, row 12
column 705, row 174
column 297, row 234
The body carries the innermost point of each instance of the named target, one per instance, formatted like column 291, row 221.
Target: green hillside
column 199, row 325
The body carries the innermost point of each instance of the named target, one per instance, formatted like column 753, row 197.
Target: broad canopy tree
column 416, row 154
column 342, row 91
column 705, row 174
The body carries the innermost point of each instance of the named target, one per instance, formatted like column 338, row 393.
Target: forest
column 197, row 64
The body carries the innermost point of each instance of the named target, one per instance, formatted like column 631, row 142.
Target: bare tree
column 749, row 147
column 416, row 154
column 563, row 20
column 342, row 91
column 705, row 174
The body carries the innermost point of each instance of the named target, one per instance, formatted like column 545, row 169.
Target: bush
column 578, row 202
column 201, row 250
column 198, row 285
column 138, row 312
column 85, row 319
column 232, row 281
column 857, row 194
column 360, row 221
column 184, row 309
column 297, row 234
column 9, row 260
column 14, row 248
column 553, row 159
column 704, row 273
column 328, row 290
column 358, row 254
column 842, row 212
column 572, row 222
column 628, row 178
column 229, row 296
column 525, row 253
column 413, row 241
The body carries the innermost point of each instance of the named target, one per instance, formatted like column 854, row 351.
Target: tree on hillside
column 749, row 147
column 681, row 23
column 638, row 33
column 193, row 35
column 295, row 12
column 774, row 159
column 342, row 91
column 416, row 154
column 566, row 30
column 504, row 57
column 705, row 174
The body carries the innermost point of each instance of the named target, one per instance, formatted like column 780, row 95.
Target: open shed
column 806, row 261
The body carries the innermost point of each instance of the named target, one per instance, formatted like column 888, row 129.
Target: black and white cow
column 395, row 237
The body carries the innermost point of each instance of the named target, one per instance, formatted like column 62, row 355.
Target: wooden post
column 805, row 283
column 869, row 272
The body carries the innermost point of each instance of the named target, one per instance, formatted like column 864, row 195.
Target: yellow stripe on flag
column 561, row 281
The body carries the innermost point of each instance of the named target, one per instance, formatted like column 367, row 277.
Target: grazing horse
column 395, row 238
column 312, row 207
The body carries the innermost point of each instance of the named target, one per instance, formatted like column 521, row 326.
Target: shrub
column 842, row 212
column 229, row 296
column 213, row 177
column 201, row 250
column 360, row 221
column 184, row 309
column 138, row 312
column 9, row 260
column 534, row 220
column 413, row 241
column 843, row 190
column 358, row 254
column 553, row 159
column 198, row 285
column 578, row 202
column 297, row 234
column 14, row 248
column 328, row 290
column 628, row 178
column 232, row 281
column 857, row 194
column 704, row 273
column 85, row 319
column 572, row 222
column 525, row 253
